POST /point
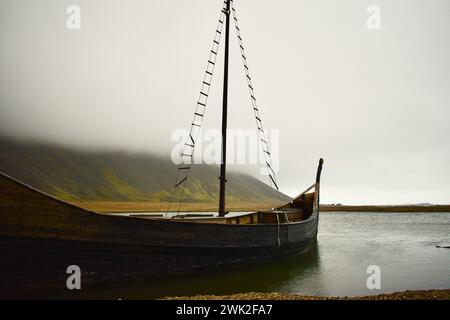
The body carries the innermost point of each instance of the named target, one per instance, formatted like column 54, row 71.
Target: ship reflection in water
column 403, row 245
column 265, row 277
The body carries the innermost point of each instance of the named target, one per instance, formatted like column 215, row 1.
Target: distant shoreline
column 376, row 208
column 136, row 207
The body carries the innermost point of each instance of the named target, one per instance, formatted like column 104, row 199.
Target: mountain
column 73, row 174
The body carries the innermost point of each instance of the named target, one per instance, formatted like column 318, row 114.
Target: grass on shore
column 154, row 206
column 108, row 206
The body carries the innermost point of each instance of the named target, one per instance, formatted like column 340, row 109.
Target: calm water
column 403, row 245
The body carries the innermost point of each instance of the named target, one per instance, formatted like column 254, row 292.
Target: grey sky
column 374, row 103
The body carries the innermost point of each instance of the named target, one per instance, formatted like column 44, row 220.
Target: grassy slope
column 111, row 176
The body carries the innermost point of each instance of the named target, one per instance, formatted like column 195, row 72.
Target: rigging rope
column 196, row 124
column 278, row 230
column 261, row 131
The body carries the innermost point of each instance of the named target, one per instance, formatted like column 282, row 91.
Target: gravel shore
column 405, row 295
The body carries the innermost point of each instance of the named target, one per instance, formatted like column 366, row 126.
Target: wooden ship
column 40, row 236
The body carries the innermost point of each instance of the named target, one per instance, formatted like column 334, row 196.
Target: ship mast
column 187, row 154
column 222, row 178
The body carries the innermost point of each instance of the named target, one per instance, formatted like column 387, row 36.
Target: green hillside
column 73, row 174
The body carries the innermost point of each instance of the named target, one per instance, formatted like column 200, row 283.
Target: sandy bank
column 405, row 295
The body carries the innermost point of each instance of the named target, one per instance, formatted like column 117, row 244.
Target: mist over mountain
column 76, row 174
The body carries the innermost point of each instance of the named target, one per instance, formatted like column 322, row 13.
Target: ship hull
column 40, row 237
column 34, row 266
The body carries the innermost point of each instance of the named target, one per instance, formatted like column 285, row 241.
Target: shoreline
column 384, row 208
column 157, row 207
column 435, row 294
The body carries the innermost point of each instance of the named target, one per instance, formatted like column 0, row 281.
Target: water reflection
column 402, row 244
column 266, row 277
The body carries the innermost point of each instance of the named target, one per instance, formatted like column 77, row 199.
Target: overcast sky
column 375, row 104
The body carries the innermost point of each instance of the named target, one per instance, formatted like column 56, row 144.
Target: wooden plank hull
column 39, row 265
column 40, row 236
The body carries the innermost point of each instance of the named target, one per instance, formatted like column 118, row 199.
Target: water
column 403, row 245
